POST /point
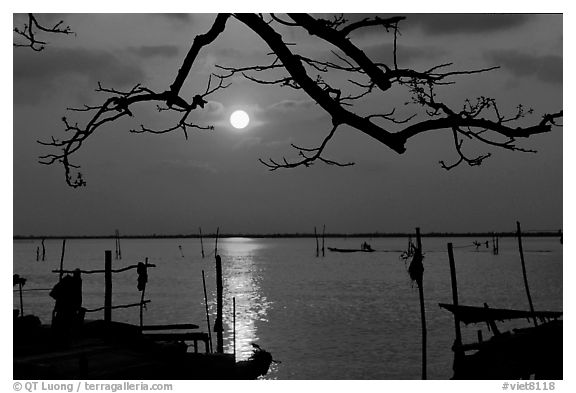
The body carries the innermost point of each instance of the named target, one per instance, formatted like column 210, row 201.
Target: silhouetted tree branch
column 307, row 156
column 118, row 105
column 479, row 119
column 29, row 33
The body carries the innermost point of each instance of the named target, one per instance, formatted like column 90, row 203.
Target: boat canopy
column 473, row 314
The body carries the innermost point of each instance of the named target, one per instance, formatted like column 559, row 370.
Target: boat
column 334, row 249
column 365, row 247
column 518, row 354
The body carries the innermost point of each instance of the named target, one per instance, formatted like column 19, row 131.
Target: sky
column 164, row 184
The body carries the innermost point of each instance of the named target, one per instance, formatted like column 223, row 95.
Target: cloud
column 547, row 68
column 212, row 111
column 384, row 53
column 177, row 17
column 179, row 167
column 214, row 108
column 466, row 23
column 291, row 105
column 154, row 51
column 37, row 74
column 439, row 24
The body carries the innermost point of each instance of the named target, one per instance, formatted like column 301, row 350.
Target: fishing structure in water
column 72, row 347
column 520, row 354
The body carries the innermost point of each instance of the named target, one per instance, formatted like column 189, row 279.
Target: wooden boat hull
column 333, row 249
column 519, row 354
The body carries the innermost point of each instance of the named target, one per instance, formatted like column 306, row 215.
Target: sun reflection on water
column 242, row 277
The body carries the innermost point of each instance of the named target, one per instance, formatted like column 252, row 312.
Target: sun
column 239, row 119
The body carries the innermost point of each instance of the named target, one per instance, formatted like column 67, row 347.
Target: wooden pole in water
column 118, row 247
column 519, row 234
column 142, row 298
column 454, row 292
column 62, row 259
column 422, row 308
column 108, row 285
column 207, row 313
column 323, row 236
column 458, row 339
column 116, row 253
column 201, row 243
column 216, row 244
column 493, row 245
column 43, row 250
column 317, row 246
column 234, row 326
column 218, row 324
column 21, row 302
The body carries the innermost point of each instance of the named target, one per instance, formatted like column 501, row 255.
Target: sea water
column 338, row 316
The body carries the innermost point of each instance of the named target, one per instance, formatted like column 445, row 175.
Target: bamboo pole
column 207, row 313
column 416, row 271
column 219, row 304
column 519, row 234
column 43, row 250
column 142, row 297
column 201, row 243
column 21, row 302
column 454, row 292
column 142, row 307
column 117, row 244
column 216, row 244
column 458, row 353
column 323, row 236
column 62, row 260
column 234, row 326
column 493, row 244
column 108, row 286
column 117, row 307
column 317, row 246
column 119, row 247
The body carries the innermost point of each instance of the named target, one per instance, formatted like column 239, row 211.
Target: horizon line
column 539, row 233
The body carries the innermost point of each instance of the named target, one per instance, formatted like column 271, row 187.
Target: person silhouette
column 68, row 309
column 477, row 244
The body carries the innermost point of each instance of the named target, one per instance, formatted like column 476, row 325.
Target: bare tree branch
column 307, row 159
column 388, row 23
column 118, row 105
column 30, row 30
column 478, row 120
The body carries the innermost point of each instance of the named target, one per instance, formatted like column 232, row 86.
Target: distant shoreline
column 298, row 235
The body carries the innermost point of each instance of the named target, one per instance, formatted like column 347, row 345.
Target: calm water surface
column 343, row 316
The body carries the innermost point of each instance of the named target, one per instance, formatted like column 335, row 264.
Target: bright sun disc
column 239, row 119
